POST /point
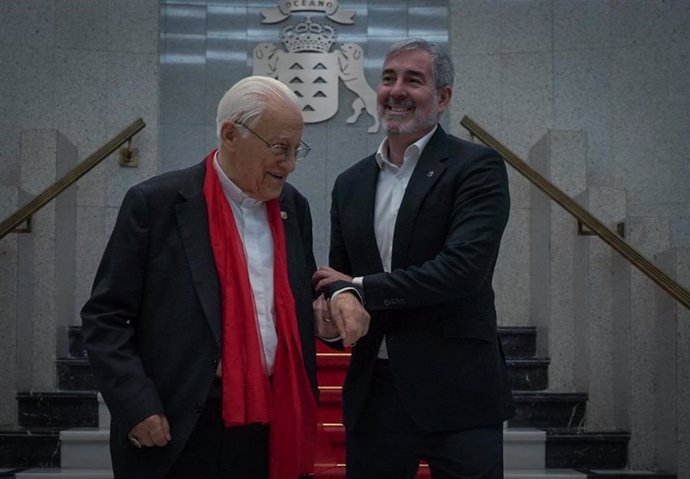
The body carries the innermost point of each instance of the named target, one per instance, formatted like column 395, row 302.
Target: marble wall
column 616, row 70
column 85, row 69
column 613, row 71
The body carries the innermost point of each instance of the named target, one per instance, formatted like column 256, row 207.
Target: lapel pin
column 283, row 214
column 430, row 174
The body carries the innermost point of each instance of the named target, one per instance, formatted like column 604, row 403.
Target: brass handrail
column 25, row 212
column 649, row 269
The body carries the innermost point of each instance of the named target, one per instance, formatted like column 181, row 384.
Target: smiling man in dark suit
column 417, row 228
column 200, row 329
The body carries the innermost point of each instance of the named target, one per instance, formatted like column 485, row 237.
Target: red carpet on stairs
column 330, row 455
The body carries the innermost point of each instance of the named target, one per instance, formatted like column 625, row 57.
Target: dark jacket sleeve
column 480, row 204
column 111, row 313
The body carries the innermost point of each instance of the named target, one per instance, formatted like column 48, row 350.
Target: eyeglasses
column 299, row 153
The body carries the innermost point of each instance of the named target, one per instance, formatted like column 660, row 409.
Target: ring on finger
column 135, row 442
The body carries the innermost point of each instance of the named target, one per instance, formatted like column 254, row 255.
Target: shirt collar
column 412, row 152
column 231, row 190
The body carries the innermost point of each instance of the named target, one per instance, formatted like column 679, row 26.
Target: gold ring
column 135, row 442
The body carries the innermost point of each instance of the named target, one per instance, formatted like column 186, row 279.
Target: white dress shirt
column 251, row 219
column 390, row 189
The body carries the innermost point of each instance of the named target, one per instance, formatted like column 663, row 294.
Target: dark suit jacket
column 152, row 326
column 436, row 307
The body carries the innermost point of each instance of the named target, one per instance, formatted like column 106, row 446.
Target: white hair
column 246, row 101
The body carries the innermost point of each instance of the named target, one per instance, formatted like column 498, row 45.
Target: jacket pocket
column 466, row 326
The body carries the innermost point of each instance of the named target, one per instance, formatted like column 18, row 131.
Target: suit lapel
column 292, row 245
column 429, row 169
column 192, row 218
column 362, row 204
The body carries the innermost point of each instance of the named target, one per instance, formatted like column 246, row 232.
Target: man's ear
column 444, row 96
column 228, row 132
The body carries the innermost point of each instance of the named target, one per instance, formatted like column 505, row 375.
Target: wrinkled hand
column 325, row 327
column 349, row 317
column 152, row 431
column 326, row 275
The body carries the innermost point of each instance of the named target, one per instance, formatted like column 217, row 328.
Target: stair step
column 548, row 409
column 586, row 449
column 543, row 474
column 29, row 448
column 56, row 473
column 628, row 474
column 74, row 374
column 517, row 341
column 522, row 448
column 524, row 374
column 533, row 409
column 76, row 342
column 338, row 472
column 58, row 410
column 86, row 448
column 9, row 472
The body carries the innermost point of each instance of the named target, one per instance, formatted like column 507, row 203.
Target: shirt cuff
column 343, row 290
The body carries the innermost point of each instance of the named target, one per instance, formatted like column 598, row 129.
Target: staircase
column 59, row 434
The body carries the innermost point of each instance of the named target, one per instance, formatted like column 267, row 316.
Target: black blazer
column 436, row 307
column 152, row 326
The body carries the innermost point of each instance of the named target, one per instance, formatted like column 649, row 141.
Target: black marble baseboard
column 577, row 449
column 74, row 374
column 10, row 471
column 548, row 409
column 58, row 410
column 528, row 374
column 625, row 474
column 518, row 342
column 23, row 449
column 76, row 342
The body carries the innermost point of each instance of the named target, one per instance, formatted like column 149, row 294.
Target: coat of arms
column 311, row 69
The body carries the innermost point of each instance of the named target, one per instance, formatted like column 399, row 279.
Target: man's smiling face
column 408, row 102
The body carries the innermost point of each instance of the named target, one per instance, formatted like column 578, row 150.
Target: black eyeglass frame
column 299, row 153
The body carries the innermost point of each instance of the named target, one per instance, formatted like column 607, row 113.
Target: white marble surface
column 651, row 236
column 672, row 368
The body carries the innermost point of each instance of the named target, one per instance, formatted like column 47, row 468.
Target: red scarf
column 286, row 402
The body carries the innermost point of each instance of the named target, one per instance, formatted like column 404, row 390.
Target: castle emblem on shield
column 311, row 67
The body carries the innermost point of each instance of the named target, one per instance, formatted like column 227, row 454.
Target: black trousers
column 387, row 444
column 214, row 451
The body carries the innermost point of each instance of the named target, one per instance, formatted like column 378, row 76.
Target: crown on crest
column 308, row 37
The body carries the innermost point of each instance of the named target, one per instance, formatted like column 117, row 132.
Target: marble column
column 46, row 258
column 672, row 369
column 560, row 156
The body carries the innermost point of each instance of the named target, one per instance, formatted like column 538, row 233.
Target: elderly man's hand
column 152, row 431
column 326, row 275
column 349, row 317
column 325, row 327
